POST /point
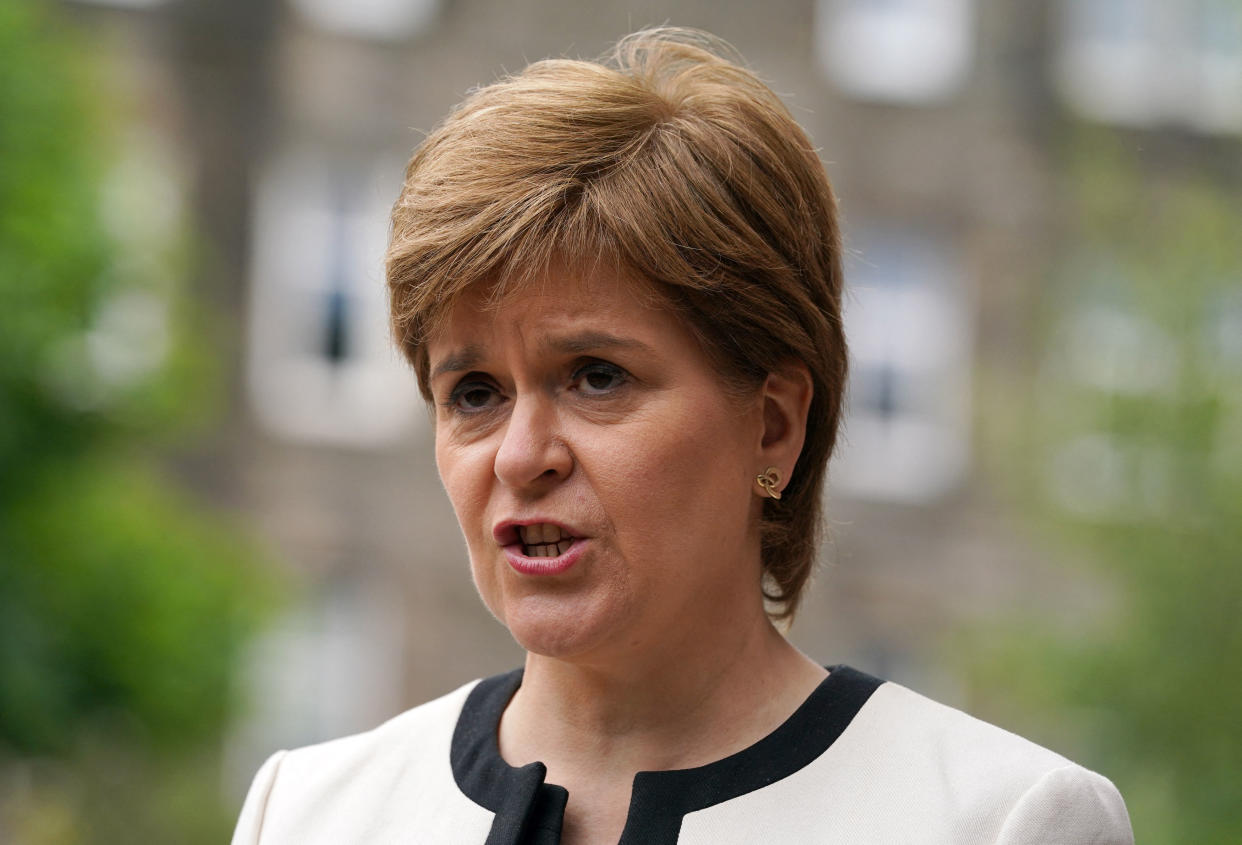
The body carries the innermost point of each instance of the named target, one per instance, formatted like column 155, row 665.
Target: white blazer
column 861, row 761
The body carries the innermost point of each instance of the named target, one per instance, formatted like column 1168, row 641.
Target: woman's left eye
column 599, row 378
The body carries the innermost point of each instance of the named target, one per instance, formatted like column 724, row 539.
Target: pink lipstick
column 539, row 547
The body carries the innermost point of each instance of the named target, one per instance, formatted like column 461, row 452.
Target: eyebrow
column 463, row 359
column 468, row 358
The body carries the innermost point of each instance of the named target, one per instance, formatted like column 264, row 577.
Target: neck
column 676, row 706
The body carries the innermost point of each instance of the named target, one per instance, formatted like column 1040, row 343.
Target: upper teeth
column 543, row 532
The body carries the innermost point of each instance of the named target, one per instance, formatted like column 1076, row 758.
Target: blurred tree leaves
column 1133, row 431
column 123, row 604
column 119, row 600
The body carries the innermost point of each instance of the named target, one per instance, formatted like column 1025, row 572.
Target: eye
column 599, row 378
column 472, row 395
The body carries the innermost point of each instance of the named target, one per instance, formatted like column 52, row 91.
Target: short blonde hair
column 671, row 160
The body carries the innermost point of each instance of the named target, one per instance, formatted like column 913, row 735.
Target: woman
column 620, row 286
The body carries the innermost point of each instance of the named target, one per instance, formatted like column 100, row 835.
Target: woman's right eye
column 472, row 396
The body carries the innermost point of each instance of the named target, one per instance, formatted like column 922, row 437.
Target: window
column 906, row 435
column 1147, row 62
column 321, row 365
column 1102, row 348
column 895, row 50
column 383, row 20
column 328, row 667
column 1125, row 379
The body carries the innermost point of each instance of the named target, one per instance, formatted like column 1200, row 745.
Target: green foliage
column 87, row 348
column 1151, row 390
column 110, row 790
column 123, row 604
column 130, row 604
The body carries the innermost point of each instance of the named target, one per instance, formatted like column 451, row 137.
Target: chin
column 563, row 627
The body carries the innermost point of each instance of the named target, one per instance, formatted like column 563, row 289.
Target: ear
column 786, row 397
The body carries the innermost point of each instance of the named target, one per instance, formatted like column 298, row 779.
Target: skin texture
column 582, row 401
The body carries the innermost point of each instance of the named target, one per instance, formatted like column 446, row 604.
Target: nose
column 532, row 455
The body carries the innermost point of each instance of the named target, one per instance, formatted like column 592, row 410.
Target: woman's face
column 602, row 475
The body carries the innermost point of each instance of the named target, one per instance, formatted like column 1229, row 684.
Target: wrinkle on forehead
column 592, row 273
column 591, row 280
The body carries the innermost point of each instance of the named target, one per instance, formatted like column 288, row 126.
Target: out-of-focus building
column 287, row 124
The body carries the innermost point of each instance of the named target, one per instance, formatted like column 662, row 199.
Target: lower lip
column 524, row 565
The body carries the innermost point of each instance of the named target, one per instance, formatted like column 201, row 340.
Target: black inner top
column 530, row 811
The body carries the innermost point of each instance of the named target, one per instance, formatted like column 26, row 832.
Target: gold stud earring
column 768, row 479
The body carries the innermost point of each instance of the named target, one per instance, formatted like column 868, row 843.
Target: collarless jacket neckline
column 529, row 811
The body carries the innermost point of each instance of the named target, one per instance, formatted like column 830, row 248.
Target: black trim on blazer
column 530, row 811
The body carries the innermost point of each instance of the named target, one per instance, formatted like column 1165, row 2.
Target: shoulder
column 334, row 790
column 905, row 768
column 1002, row 787
column 911, row 724
column 399, row 739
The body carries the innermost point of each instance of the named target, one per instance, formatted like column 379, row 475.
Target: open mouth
column 544, row 539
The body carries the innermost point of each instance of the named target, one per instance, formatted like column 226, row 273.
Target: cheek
column 464, row 475
column 683, row 477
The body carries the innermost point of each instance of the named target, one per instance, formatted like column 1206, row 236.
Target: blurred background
column 221, row 532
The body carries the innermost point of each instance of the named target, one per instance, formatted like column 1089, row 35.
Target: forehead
column 554, row 301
